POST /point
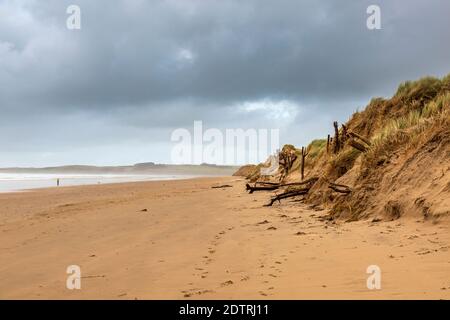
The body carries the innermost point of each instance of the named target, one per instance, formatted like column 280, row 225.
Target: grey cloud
column 146, row 67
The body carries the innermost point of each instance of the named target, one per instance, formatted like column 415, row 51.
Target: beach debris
column 357, row 136
column 254, row 188
column 287, row 194
column 357, row 145
column 222, row 186
column 270, row 186
column 340, row 188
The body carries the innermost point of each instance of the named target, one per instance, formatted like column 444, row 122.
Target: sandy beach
column 186, row 240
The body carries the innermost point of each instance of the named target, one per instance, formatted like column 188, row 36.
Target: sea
column 13, row 182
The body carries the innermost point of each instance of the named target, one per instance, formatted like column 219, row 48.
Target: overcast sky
column 112, row 92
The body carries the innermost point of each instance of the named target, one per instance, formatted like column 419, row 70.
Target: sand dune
column 187, row 240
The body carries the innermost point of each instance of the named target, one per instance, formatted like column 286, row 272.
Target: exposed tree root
column 270, row 186
column 355, row 144
column 340, row 188
column 287, row 194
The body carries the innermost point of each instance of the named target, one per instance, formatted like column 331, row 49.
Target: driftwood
column 293, row 193
column 357, row 136
column 252, row 189
column 340, row 188
column 270, row 186
column 267, row 183
column 287, row 194
column 222, row 186
column 355, row 144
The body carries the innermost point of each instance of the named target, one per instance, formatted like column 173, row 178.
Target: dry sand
column 196, row 242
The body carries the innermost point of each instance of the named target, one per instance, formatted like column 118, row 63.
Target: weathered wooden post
column 304, row 155
column 337, row 145
column 344, row 134
column 328, row 144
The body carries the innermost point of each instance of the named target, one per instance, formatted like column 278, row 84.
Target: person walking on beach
column 57, row 182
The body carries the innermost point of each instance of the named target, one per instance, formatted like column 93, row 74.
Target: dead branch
column 355, row 144
column 287, row 194
column 252, row 189
column 355, row 135
column 267, row 183
column 340, row 188
column 270, row 186
column 222, row 186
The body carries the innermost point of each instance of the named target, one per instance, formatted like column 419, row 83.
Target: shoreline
column 183, row 239
column 82, row 180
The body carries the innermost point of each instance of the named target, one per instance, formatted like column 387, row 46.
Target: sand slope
column 195, row 242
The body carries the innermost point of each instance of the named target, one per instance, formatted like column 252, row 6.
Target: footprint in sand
column 226, row 283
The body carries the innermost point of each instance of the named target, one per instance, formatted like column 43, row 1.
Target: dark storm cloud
column 155, row 65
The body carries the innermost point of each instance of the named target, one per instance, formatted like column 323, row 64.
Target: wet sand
column 184, row 239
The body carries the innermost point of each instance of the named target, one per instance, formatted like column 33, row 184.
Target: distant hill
column 139, row 168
